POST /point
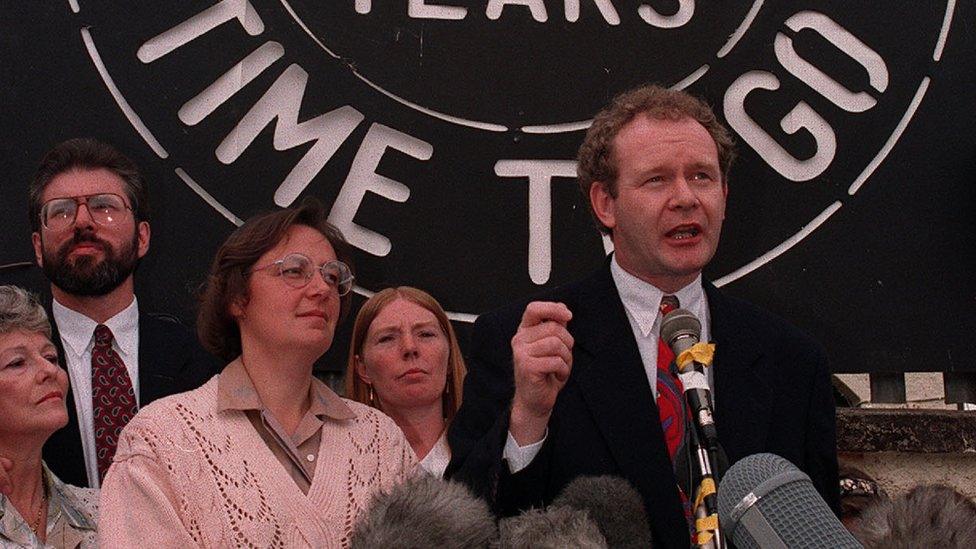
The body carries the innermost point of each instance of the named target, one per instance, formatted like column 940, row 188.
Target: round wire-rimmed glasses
column 297, row 270
column 58, row 214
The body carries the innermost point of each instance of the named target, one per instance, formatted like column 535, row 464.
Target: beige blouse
column 72, row 513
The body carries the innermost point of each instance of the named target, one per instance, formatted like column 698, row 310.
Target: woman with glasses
column 404, row 359
column 36, row 509
column 263, row 454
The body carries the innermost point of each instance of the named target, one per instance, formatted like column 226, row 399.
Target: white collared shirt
column 77, row 333
column 642, row 302
column 436, row 460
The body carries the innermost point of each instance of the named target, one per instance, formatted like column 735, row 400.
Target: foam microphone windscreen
column 550, row 528
column 425, row 512
column 765, row 501
column 614, row 505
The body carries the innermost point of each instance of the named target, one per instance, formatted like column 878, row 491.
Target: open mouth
column 684, row 232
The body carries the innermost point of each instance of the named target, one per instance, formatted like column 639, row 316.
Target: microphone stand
column 705, row 506
column 709, row 460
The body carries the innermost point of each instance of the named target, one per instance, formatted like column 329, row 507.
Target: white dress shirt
column 642, row 302
column 77, row 333
column 436, row 460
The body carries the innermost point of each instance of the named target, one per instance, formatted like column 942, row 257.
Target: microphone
column 550, row 528
column 613, row 504
column 764, row 501
column 681, row 330
column 424, row 511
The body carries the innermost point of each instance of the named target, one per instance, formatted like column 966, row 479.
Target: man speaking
column 577, row 383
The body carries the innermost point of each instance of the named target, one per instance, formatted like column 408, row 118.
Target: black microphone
column 613, row 504
column 764, row 501
column 681, row 330
column 425, row 512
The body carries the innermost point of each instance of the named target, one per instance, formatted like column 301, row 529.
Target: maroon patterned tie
column 113, row 399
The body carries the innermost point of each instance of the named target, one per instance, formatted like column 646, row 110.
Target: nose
column 317, row 286
column 409, row 345
column 46, row 369
column 83, row 221
column 684, row 196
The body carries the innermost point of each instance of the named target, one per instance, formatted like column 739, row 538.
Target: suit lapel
column 157, row 373
column 609, row 371
column 63, row 450
column 742, row 395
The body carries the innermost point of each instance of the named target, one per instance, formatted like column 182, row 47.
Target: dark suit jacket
column 772, row 388
column 170, row 361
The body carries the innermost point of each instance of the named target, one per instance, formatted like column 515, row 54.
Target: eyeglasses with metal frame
column 104, row 209
column 297, row 270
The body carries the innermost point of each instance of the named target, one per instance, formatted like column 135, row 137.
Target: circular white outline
column 556, row 127
column 765, row 258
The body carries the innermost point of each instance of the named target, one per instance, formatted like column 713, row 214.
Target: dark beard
column 87, row 275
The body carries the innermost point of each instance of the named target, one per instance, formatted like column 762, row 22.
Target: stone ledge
column 916, row 431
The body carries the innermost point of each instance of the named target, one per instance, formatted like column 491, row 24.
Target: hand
column 6, row 486
column 542, row 352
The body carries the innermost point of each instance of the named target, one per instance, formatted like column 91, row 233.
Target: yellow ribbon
column 706, row 529
column 700, row 352
column 706, row 526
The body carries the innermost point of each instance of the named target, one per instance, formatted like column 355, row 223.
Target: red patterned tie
column 672, row 409
column 113, row 399
column 670, row 403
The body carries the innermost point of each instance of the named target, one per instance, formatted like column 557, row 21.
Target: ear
column 603, row 204
column 38, row 248
column 361, row 370
column 236, row 308
column 142, row 237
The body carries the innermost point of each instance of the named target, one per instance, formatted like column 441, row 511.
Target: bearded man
column 89, row 215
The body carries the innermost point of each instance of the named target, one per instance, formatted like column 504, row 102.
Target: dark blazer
column 170, row 361
column 772, row 388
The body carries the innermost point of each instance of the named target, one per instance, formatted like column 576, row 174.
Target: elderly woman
column 263, row 454
column 36, row 509
column 404, row 359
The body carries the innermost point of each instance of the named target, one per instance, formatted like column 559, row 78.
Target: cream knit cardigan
column 185, row 475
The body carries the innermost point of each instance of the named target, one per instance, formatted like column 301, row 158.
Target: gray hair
column 21, row 310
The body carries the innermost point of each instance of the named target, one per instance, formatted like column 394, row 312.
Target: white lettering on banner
column 420, row 9
column 609, row 13
column 540, row 174
column 789, row 73
column 820, row 81
column 200, row 24
column 282, row 101
column 363, row 177
column 494, row 8
column 206, row 102
column 424, row 9
column 802, row 116
column 686, row 9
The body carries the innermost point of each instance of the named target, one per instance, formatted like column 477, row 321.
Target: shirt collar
column 60, row 500
column 77, row 330
column 642, row 299
column 235, row 391
column 66, row 502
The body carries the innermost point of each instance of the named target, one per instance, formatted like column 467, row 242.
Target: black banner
column 442, row 135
